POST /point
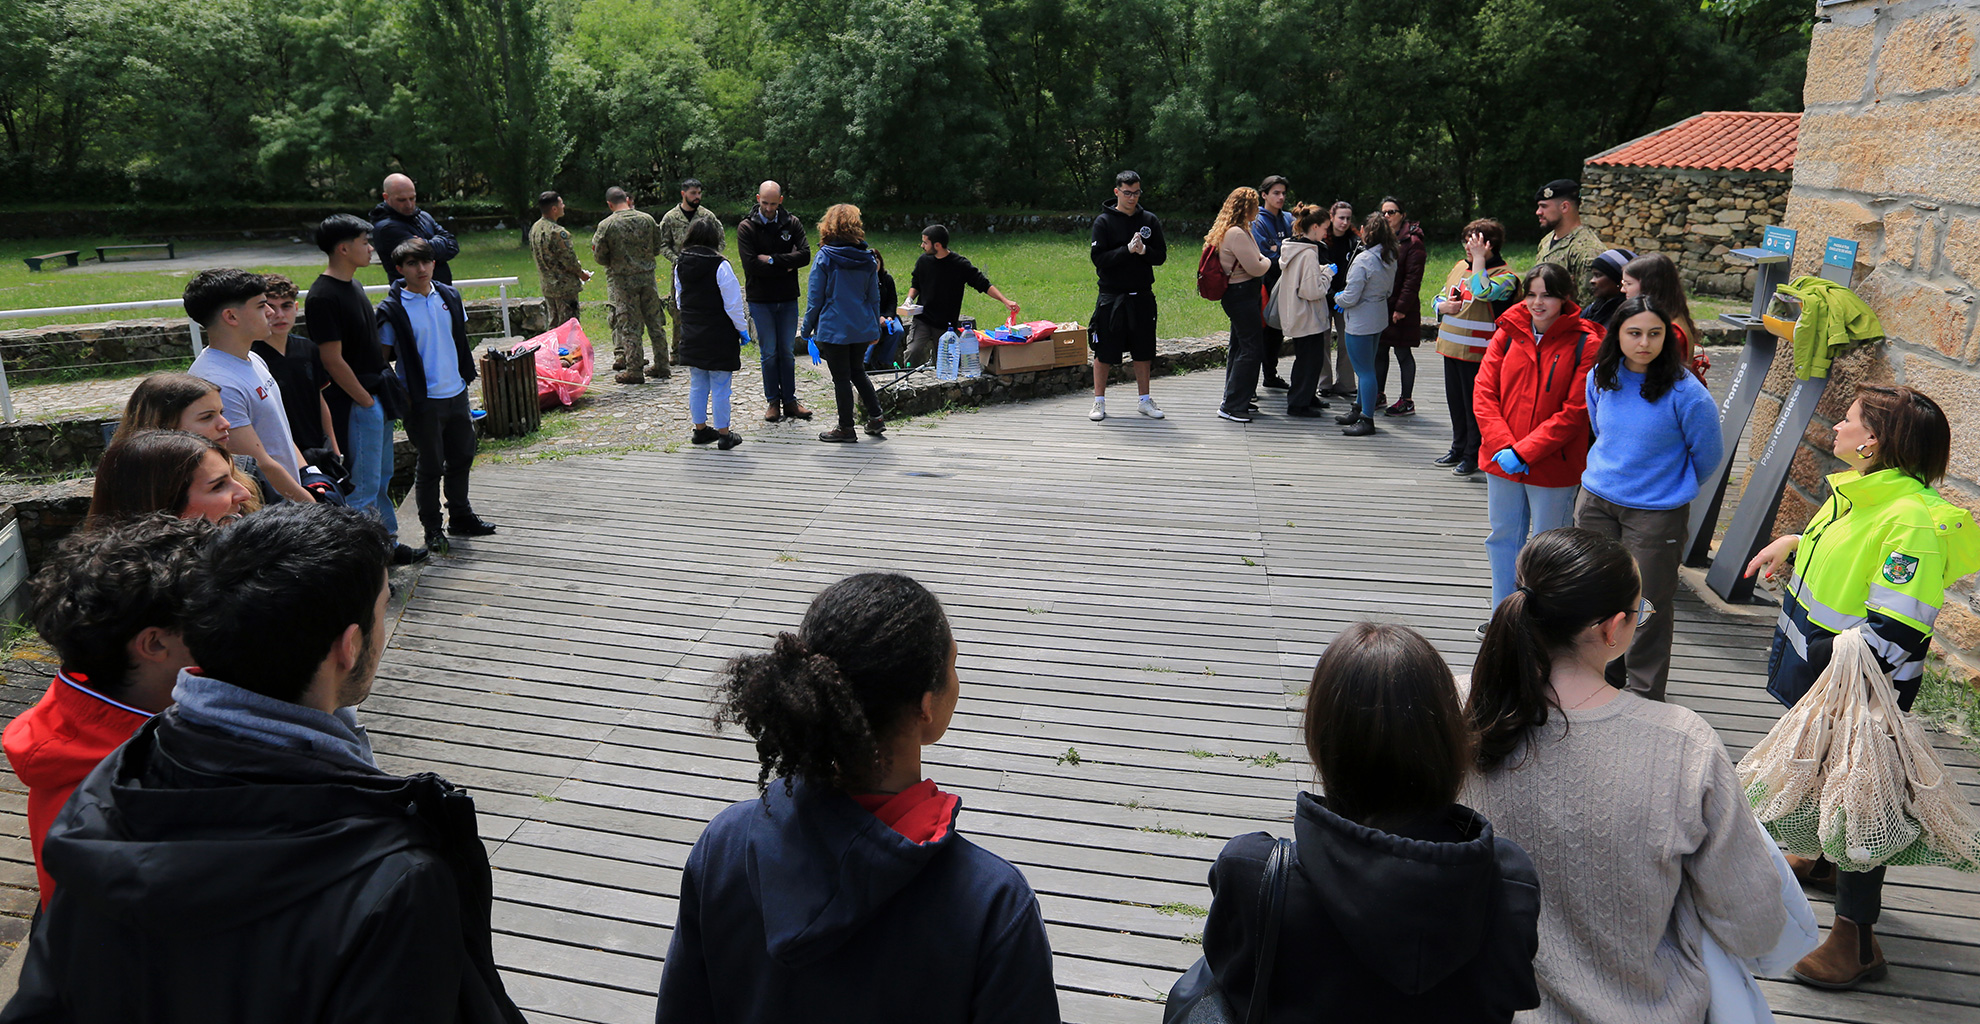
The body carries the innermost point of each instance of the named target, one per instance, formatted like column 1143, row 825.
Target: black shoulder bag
column 1196, row 999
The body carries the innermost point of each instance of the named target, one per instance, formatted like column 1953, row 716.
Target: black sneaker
column 470, row 526
column 1465, row 468
column 1234, row 417
column 704, row 435
column 1348, row 418
column 436, row 541
column 876, row 426
column 403, row 555
column 1449, row 458
column 1361, row 427
column 1277, row 383
column 839, row 437
column 728, row 441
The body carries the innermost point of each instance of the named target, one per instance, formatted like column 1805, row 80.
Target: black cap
column 1559, row 188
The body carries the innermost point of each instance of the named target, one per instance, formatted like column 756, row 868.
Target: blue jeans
column 776, row 338
column 1361, row 352
column 704, row 385
column 370, row 456
column 1517, row 511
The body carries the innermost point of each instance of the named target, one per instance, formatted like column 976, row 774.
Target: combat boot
column 634, row 373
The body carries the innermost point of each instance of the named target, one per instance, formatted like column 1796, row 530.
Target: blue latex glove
column 813, row 346
column 1509, row 461
column 745, row 338
column 1337, row 270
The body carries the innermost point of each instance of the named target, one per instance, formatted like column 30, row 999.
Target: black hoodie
column 207, row 878
column 1379, row 927
column 1120, row 270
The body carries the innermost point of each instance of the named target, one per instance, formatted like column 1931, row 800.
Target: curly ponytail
column 1569, row 579
column 821, row 702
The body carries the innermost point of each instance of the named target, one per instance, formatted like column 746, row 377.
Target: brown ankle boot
column 1814, row 874
column 1849, row 957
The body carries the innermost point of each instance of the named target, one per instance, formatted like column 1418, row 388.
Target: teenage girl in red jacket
column 1533, row 417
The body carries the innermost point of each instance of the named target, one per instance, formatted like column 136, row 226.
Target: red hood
column 920, row 812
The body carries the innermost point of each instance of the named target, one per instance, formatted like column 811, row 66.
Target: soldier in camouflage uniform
column 673, row 238
column 1568, row 243
column 556, row 260
column 625, row 245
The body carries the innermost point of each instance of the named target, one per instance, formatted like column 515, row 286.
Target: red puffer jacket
column 1531, row 398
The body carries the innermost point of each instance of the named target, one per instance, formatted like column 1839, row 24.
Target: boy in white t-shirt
column 230, row 306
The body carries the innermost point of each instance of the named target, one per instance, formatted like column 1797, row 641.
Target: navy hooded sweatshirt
column 804, row 906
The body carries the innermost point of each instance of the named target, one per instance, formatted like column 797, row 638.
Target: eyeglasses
column 1644, row 609
column 1130, row 192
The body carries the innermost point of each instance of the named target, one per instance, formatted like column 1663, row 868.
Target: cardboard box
column 1025, row 358
column 1069, row 347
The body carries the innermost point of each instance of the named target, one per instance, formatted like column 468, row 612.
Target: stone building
column 1890, row 158
column 1693, row 191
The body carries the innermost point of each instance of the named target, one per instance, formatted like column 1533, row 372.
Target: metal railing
column 198, row 340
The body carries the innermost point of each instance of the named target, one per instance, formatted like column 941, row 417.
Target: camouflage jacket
column 1575, row 254
column 556, row 259
column 674, row 229
column 626, row 243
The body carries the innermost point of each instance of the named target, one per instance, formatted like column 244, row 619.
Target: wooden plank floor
column 1149, row 596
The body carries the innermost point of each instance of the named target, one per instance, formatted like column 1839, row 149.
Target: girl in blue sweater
column 1656, row 440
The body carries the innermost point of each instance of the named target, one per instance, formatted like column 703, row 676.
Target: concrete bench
column 170, row 252
column 34, row 262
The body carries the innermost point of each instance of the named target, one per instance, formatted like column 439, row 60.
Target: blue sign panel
column 1778, row 239
column 1840, row 253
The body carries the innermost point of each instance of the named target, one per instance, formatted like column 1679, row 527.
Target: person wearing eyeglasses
column 1128, row 245
column 1656, row 440
column 1405, row 330
column 1630, row 808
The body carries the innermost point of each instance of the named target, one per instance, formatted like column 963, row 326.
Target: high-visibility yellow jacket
column 1878, row 554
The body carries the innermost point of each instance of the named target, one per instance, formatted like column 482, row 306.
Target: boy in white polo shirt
column 230, row 306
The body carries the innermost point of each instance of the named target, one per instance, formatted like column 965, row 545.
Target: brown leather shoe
column 796, row 411
column 1849, row 957
column 1813, row 874
column 772, row 413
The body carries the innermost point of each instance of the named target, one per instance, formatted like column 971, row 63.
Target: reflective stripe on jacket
column 1878, row 554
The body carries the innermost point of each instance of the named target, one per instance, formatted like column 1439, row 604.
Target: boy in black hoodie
column 1127, row 247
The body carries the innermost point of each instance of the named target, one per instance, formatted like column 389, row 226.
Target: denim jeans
column 776, row 338
column 704, row 385
column 1361, row 352
column 370, row 455
column 1518, row 511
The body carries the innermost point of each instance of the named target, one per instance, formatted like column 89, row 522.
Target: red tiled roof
column 1730, row 140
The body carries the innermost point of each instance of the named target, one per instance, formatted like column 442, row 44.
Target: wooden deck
column 1136, row 602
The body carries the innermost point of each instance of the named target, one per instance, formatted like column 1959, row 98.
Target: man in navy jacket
column 399, row 218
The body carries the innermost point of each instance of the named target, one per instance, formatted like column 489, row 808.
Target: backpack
column 1212, row 280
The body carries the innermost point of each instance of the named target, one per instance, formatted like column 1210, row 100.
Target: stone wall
column 34, row 353
column 1889, row 156
column 1695, row 217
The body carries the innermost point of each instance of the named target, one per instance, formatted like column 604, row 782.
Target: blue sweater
column 803, row 906
column 1651, row 455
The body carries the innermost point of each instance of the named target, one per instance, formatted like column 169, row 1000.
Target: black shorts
column 1123, row 324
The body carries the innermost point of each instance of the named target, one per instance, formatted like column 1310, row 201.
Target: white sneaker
column 1150, row 409
column 1099, row 410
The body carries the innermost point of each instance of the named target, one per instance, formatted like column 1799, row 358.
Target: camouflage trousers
column 560, row 308
column 635, row 305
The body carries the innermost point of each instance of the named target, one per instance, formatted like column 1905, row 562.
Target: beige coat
column 1240, row 256
column 1302, row 289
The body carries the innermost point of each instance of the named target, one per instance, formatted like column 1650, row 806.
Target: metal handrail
column 7, row 395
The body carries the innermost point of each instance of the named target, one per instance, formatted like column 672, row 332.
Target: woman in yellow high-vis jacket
column 1878, row 554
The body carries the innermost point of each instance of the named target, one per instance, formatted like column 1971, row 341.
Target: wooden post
column 508, row 392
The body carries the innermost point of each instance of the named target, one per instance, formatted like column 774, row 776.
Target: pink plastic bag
column 557, row 384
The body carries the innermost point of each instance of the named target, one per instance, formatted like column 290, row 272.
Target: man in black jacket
column 771, row 247
column 1127, row 247
column 243, row 858
column 425, row 323
column 398, row 218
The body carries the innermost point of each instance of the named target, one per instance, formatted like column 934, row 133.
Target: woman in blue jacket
column 844, row 893
column 1656, row 440
column 843, row 316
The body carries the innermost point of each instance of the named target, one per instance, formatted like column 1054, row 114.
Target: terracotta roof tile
column 1733, row 140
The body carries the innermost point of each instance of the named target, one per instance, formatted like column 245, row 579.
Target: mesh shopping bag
column 1847, row 775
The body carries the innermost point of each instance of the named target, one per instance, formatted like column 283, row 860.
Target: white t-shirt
column 249, row 397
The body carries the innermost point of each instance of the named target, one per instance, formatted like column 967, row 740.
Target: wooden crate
column 508, row 392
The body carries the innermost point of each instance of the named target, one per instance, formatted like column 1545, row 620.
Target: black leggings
column 1406, row 358
column 848, row 372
